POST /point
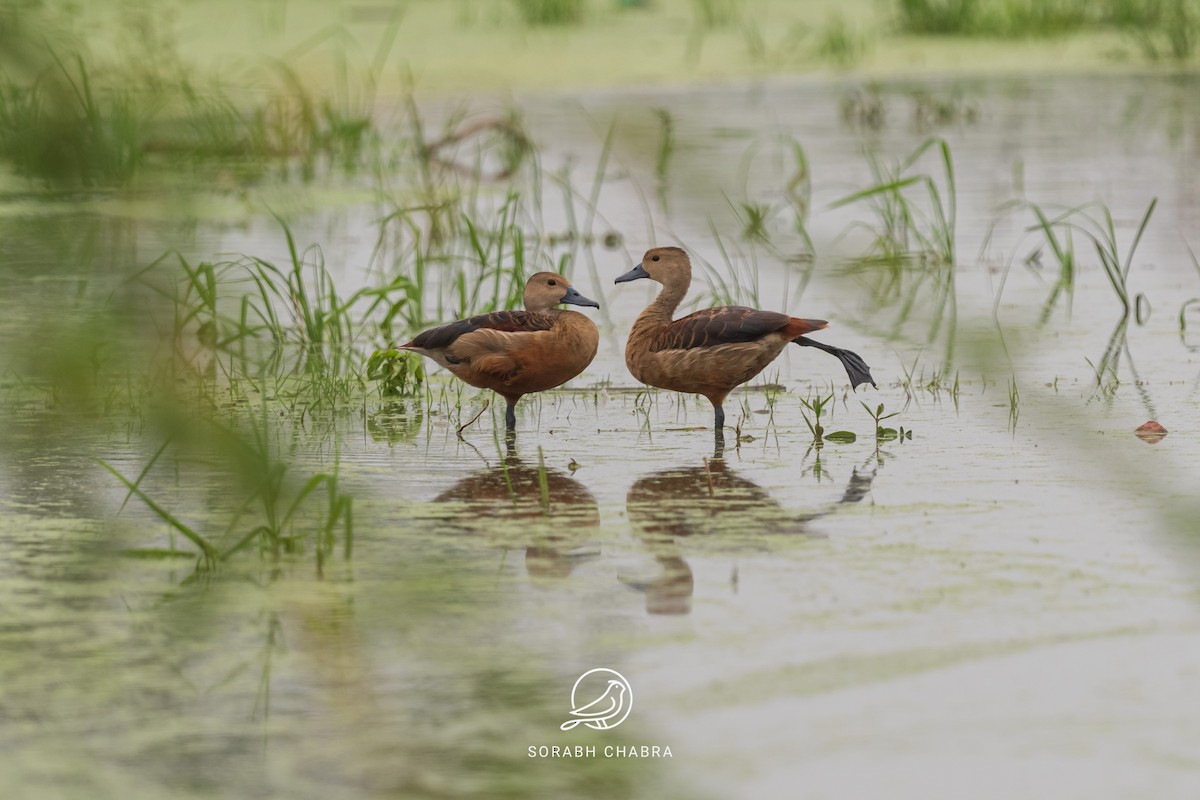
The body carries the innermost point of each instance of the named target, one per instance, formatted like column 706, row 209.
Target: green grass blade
column 197, row 539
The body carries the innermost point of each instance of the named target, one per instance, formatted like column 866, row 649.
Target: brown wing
column 720, row 325
column 514, row 321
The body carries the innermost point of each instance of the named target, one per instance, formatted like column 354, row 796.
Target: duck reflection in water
column 667, row 506
column 510, row 505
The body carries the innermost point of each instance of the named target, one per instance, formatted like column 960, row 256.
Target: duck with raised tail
column 714, row 350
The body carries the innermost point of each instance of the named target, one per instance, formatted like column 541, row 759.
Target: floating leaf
column 1152, row 432
column 840, row 437
column 886, row 434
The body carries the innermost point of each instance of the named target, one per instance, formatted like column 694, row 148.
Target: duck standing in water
column 713, row 350
column 515, row 353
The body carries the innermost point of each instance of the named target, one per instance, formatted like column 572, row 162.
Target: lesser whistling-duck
column 515, row 353
column 716, row 349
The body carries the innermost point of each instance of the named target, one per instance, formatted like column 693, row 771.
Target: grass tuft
column 551, row 12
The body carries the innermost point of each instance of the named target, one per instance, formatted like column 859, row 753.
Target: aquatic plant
column 79, row 119
column 551, row 12
column 1095, row 221
column 1163, row 29
column 816, row 406
column 1190, row 307
column 840, row 43
column 60, row 128
column 934, row 384
column 799, row 195
column 878, row 415
column 753, row 218
column 909, row 264
column 666, row 150
column 903, row 229
column 732, row 285
column 1009, row 18
column 711, row 14
column 272, row 508
column 398, row 373
column 864, row 108
column 1014, row 403
column 1064, row 256
column 306, row 291
column 1103, row 234
column 937, row 16
column 643, row 401
column 933, row 110
column 789, row 162
column 543, row 483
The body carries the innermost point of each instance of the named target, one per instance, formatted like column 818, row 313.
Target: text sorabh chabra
column 601, row 699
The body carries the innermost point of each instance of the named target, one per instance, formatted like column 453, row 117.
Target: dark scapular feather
column 446, row 335
column 719, row 325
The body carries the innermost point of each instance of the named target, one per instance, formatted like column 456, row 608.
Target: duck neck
column 662, row 310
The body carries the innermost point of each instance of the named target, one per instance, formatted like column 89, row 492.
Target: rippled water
column 1003, row 605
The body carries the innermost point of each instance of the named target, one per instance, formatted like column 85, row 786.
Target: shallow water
column 1003, row 605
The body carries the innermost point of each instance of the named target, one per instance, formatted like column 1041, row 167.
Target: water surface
column 1004, row 604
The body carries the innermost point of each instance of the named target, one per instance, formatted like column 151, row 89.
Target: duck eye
column 654, row 258
column 552, row 282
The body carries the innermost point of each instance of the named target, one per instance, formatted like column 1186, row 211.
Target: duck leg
column 856, row 368
column 510, row 416
column 718, row 418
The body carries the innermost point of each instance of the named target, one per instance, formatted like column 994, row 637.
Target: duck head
column 545, row 290
column 666, row 265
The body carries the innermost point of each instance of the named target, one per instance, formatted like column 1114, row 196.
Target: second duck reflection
column 553, row 517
